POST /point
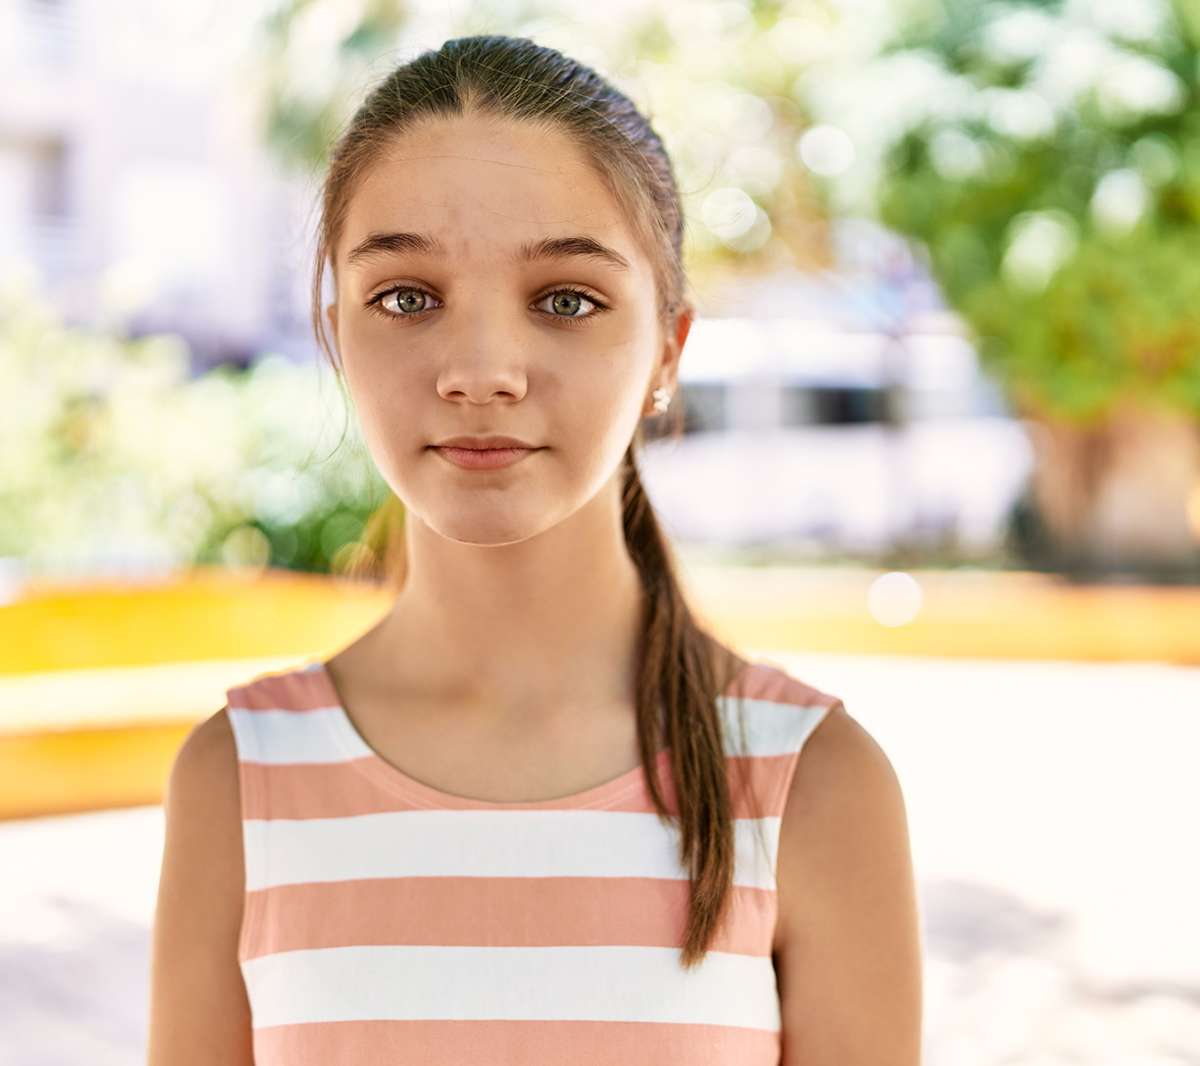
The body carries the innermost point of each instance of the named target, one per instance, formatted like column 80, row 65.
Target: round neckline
column 391, row 777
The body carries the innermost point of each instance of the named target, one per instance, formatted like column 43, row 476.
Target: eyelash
column 374, row 304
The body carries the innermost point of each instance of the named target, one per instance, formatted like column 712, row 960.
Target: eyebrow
column 379, row 245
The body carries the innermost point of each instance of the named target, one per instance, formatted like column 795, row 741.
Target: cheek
column 602, row 398
column 379, row 364
column 388, row 407
column 601, row 420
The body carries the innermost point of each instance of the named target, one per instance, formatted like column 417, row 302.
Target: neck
column 553, row 619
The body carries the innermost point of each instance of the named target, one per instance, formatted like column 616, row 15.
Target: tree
column 1051, row 172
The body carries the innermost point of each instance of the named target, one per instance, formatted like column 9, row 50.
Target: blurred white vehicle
column 788, row 441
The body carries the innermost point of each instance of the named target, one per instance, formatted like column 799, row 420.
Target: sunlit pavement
column 1052, row 810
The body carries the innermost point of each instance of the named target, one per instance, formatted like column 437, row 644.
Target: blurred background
column 941, row 451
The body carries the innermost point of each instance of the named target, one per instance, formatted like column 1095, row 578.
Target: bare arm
column 199, row 1013
column 849, row 966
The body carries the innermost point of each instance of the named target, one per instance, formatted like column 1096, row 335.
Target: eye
column 571, row 303
column 566, row 302
column 405, row 301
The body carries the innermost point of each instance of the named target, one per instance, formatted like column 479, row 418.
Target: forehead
column 482, row 186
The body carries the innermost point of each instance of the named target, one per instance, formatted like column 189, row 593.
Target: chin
column 486, row 533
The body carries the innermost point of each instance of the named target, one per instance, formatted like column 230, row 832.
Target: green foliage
column 115, row 456
column 1061, row 220
column 717, row 81
column 310, row 56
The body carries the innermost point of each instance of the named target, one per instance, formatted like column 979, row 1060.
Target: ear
column 672, row 349
column 331, row 314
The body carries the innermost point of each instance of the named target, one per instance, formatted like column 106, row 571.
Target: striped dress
column 386, row 921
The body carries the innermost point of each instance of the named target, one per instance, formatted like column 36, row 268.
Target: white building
column 133, row 176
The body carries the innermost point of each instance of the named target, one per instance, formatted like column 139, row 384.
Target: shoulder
column 206, row 764
column 843, row 802
column 202, row 802
column 848, row 928
column 843, row 776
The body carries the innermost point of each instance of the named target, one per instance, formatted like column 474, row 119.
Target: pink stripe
column 496, row 912
column 353, row 786
column 295, row 689
column 513, row 1043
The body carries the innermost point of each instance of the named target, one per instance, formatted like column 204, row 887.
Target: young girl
column 537, row 814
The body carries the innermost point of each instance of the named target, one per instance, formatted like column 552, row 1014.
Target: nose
column 482, row 380
column 486, row 357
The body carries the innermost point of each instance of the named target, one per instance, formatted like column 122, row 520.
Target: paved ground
column 1052, row 810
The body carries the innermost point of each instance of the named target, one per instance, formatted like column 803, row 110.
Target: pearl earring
column 662, row 400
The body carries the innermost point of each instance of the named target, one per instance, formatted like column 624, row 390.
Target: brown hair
column 678, row 669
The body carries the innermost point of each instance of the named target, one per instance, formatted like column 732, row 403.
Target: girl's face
column 451, row 320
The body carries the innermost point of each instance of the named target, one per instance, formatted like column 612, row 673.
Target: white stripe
column 487, row 843
column 617, row 983
column 245, row 735
column 293, row 736
column 287, row 736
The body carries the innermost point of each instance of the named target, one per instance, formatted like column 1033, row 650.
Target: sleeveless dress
column 388, row 922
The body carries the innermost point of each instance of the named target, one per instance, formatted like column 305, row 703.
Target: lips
column 484, row 458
